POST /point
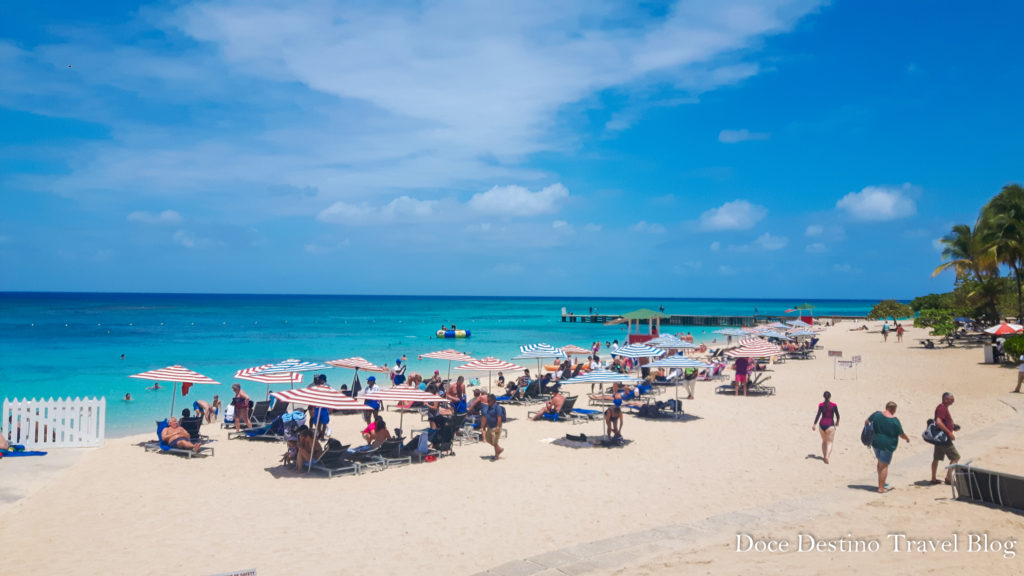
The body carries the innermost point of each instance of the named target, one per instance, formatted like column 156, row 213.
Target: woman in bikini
column 828, row 418
column 241, row 404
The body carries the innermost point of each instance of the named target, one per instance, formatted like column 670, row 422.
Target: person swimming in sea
column 155, row 386
column 127, row 396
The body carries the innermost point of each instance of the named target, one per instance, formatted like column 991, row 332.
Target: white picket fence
column 60, row 423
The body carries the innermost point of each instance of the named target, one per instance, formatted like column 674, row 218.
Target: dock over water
column 696, row 320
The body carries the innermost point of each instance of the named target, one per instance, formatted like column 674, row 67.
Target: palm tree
column 966, row 253
column 1002, row 228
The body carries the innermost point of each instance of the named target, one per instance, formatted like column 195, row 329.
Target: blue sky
column 677, row 149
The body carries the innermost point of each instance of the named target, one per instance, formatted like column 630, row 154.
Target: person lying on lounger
column 619, row 395
column 177, row 437
column 309, row 448
column 553, row 406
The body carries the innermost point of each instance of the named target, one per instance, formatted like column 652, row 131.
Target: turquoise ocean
column 68, row 345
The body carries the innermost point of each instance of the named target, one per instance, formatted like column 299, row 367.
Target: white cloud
column 189, row 240
column 715, row 246
column 842, row 268
column 646, row 227
column 401, row 209
column 734, row 136
column 816, row 248
column 506, row 269
column 726, row 270
column 518, row 201
column 814, row 230
column 938, row 245
column 767, row 241
column 315, row 248
column 879, row 203
column 165, row 217
column 735, row 215
column 559, row 224
column 591, row 227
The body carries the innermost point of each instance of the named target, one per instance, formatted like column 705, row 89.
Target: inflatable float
column 453, row 333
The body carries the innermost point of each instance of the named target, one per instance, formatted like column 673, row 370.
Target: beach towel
column 22, row 452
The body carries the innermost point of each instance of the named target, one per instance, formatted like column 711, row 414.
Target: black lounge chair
column 193, row 425
column 564, row 414
column 987, row 486
column 336, row 460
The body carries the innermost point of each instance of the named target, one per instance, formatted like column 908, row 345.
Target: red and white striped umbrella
column 254, row 375
column 490, row 364
column 748, row 341
column 404, row 394
column 321, row 397
column 358, row 363
column 1004, row 329
column 759, row 349
column 449, row 355
column 175, row 374
column 574, row 350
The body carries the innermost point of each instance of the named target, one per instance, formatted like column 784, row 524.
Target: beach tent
column 175, row 374
column 449, row 355
column 490, row 364
column 320, row 397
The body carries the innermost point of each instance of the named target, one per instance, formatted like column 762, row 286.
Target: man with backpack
column 947, row 450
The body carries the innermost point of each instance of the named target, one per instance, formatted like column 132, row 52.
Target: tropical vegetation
column 979, row 255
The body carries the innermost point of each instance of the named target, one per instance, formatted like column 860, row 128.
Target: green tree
column 934, row 301
column 1002, row 229
column 887, row 308
column 939, row 320
column 1014, row 346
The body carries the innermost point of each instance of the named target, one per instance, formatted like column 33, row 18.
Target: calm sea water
column 67, row 345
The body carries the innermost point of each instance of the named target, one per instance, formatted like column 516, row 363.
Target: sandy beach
column 673, row 500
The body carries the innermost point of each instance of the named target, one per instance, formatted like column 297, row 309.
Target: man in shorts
column 944, row 421
column 491, row 418
column 177, row 437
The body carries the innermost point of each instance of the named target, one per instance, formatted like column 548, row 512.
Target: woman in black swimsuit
column 828, row 418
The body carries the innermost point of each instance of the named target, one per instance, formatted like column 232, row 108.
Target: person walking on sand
column 899, row 332
column 1020, row 375
column 491, row 418
column 885, row 331
column 944, row 421
column 888, row 431
column 828, row 418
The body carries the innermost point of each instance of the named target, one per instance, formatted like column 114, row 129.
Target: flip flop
column 933, row 482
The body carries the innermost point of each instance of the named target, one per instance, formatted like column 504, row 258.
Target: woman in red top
column 828, row 418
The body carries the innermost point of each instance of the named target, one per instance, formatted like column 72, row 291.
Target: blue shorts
column 884, row 456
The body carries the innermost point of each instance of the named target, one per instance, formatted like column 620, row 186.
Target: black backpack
column 867, row 435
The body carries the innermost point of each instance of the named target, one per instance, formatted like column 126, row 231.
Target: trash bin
column 990, row 356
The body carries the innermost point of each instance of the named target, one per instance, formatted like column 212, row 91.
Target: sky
column 776, row 149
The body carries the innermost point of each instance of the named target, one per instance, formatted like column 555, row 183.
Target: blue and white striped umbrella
column 293, row 365
column 731, row 332
column 539, row 351
column 773, row 334
column 669, row 341
column 603, row 376
column 803, row 333
column 798, row 324
column 780, row 325
column 639, row 351
column 678, row 362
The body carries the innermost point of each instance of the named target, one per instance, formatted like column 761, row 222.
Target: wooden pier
column 693, row 320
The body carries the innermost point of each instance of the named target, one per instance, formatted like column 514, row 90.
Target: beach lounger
column 368, row 458
column 193, row 425
column 987, row 486
column 273, row 432
column 394, row 453
column 158, row 445
column 564, row 414
column 336, row 461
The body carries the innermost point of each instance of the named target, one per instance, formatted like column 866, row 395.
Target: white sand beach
column 672, row 501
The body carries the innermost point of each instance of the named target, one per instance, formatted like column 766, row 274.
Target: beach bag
column 935, row 435
column 867, row 435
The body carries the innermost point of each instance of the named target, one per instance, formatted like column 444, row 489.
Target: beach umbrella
column 293, row 365
column 403, row 394
column 255, row 374
column 798, row 324
column 670, row 341
column 758, row 349
column 490, row 364
column 449, row 355
column 1004, row 329
column 773, row 334
column 356, row 363
column 175, row 374
column 800, row 333
column 779, row 325
column 574, row 350
column 639, row 351
column 679, row 362
column 320, row 397
column 731, row 332
column 539, row 351
column 601, row 376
